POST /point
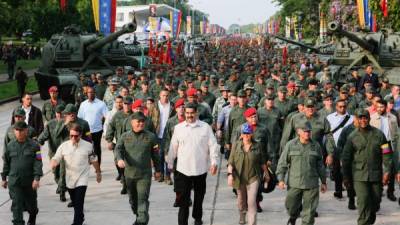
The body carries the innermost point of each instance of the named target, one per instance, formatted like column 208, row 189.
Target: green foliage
column 9, row 89
column 393, row 19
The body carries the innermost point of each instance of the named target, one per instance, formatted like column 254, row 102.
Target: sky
column 227, row 12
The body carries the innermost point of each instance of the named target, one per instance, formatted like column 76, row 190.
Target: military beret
column 180, row 102
column 246, row 129
column 19, row 112
column 309, row 102
column 60, row 108
column 250, row 112
column 361, row 112
column 137, row 104
column 304, row 125
column 291, row 85
column 191, row 92
column 128, row 100
column 241, row 94
column 282, row 89
column 20, row 125
column 138, row 116
column 53, row 89
column 70, row 108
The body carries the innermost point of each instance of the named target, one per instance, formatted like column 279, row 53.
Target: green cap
column 138, row 116
column 205, row 84
column 385, row 80
column 128, row 100
column 369, row 90
column 224, row 88
column 241, row 93
column 70, row 108
column 282, row 89
column 248, row 87
column 344, row 88
column 19, row 112
column 309, row 102
column 270, row 97
column 270, row 85
column 361, row 112
column 19, row 125
column 60, row 108
column 182, row 87
column 304, row 125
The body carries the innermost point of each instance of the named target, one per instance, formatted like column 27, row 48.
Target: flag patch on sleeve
column 386, row 149
column 38, row 155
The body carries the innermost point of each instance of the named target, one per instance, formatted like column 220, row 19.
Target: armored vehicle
column 72, row 53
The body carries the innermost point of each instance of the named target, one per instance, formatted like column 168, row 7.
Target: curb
column 15, row 98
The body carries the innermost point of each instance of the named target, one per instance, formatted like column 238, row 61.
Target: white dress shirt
column 195, row 145
column 77, row 162
column 385, row 126
column 27, row 111
column 164, row 115
column 335, row 120
column 93, row 112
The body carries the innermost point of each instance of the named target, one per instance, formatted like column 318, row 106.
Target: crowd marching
column 277, row 119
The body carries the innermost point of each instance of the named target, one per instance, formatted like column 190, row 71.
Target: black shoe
column 351, row 205
column 391, row 197
column 124, row 191
column 235, row 192
column 161, row 179
column 70, row 205
column 316, row 214
column 198, row 222
column 291, row 221
column 259, row 209
column 175, row 204
column 118, row 178
column 62, row 197
column 32, row 219
column 338, row 195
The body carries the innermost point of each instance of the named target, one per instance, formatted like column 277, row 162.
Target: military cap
column 159, row 76
column 20, row 125
column 327, row 81
column 351, row 85
column 284, row 76
column 300, row 101
column 182, row 87
column 248, row 86
column 205, row 84
column 224, row 88
column 327, row 95
column 70, row 108
column 60, row 108
column 344, row 89
column 389, row 98
column 270, row 97
column 270, row 85
column 128, row 100
column 246, row 129
column 189, row 79
column 250, row 112
column 221, row 81
column 201, row 74
column 304, row 125
column 385, row 80
column 241, row 94
column 19, row 112
column 138, row 116
column 282, row 89
column 114, row 80
column 213, row 77
column 168, row 81
column 361, row 112
column 369, row 90
column 309, row 102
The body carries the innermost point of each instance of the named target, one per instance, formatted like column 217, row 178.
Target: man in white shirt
column 166, row 111
column 387, row 123
column 94, row 111
column 77, row 155
column 338, row 120
column 194, row 143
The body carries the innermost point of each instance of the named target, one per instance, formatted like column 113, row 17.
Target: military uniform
column 304, row 165
column 100, row 90
column 11, row 136
column 219, row 104
column 22, row 164
column 236, row 119
column 49, row 109
column 363, row 155
column 137, row 150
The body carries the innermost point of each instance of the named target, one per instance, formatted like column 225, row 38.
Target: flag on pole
column 104, row 12
column 96, row 15
column 63, row 5
column 384, row 8
column 179, row 22
column 188, row 25
column 361, row 13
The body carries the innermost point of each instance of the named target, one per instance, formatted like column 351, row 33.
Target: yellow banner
column 188, row 25
column 360, row 9
column 153, row 24
column 96, row 16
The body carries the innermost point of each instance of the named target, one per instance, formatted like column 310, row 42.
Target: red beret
column 180, row 102
column 191, row 92
column 53, row 89
column 250, row 112
column 138, row 103
column 291, row 85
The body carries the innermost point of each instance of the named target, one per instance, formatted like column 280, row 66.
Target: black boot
column 391, row 196
column 62, row 197
column 124, row 191
column 32, row 219
column 352, row 205
column 291, row 221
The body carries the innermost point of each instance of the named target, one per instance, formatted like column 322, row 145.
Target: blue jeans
column 163, row 165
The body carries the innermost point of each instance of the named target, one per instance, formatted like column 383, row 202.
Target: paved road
column 105, row 206
column 4, row 76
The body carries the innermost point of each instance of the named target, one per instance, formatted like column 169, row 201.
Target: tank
column 357, row 49
column 67, row 55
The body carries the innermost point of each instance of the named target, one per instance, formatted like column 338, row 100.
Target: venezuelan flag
column 38, row 155
column 104, row 13
column 361, row 11
column 386, row 149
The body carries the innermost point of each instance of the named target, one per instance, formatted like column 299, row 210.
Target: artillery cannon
column 303, row 46
column 71, row 53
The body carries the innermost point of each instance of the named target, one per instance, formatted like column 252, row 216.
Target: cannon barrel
column 335, row 27
column 316, row 50
column 127, row 28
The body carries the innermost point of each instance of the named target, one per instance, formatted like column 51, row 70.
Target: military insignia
column 38, row 155
column 386, row 149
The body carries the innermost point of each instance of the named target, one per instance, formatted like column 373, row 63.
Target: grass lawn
column 25, row 64
column 9, row 89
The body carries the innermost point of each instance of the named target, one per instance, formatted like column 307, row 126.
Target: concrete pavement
column 105, row 206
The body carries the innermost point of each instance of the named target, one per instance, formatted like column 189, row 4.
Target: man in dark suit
column 370, row 77
column 34, row 116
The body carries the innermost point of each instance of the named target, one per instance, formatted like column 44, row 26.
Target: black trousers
column 77, row 195
column 338, row 178
column 96, row 138
column 184, row 185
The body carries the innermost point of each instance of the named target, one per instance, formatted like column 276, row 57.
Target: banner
column 153, row 21
column 287, row 27
column 188, row 25
column 104, row 13
column 360, row 10
column 96, row 15
column 201, row 27
column 179, row 22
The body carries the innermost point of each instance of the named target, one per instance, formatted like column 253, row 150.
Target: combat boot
column 62, row 196
column 32, row 219
column 291, row 221
column 124, row 191
column 242, row 218
column 391, row 196
column 351, row 205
